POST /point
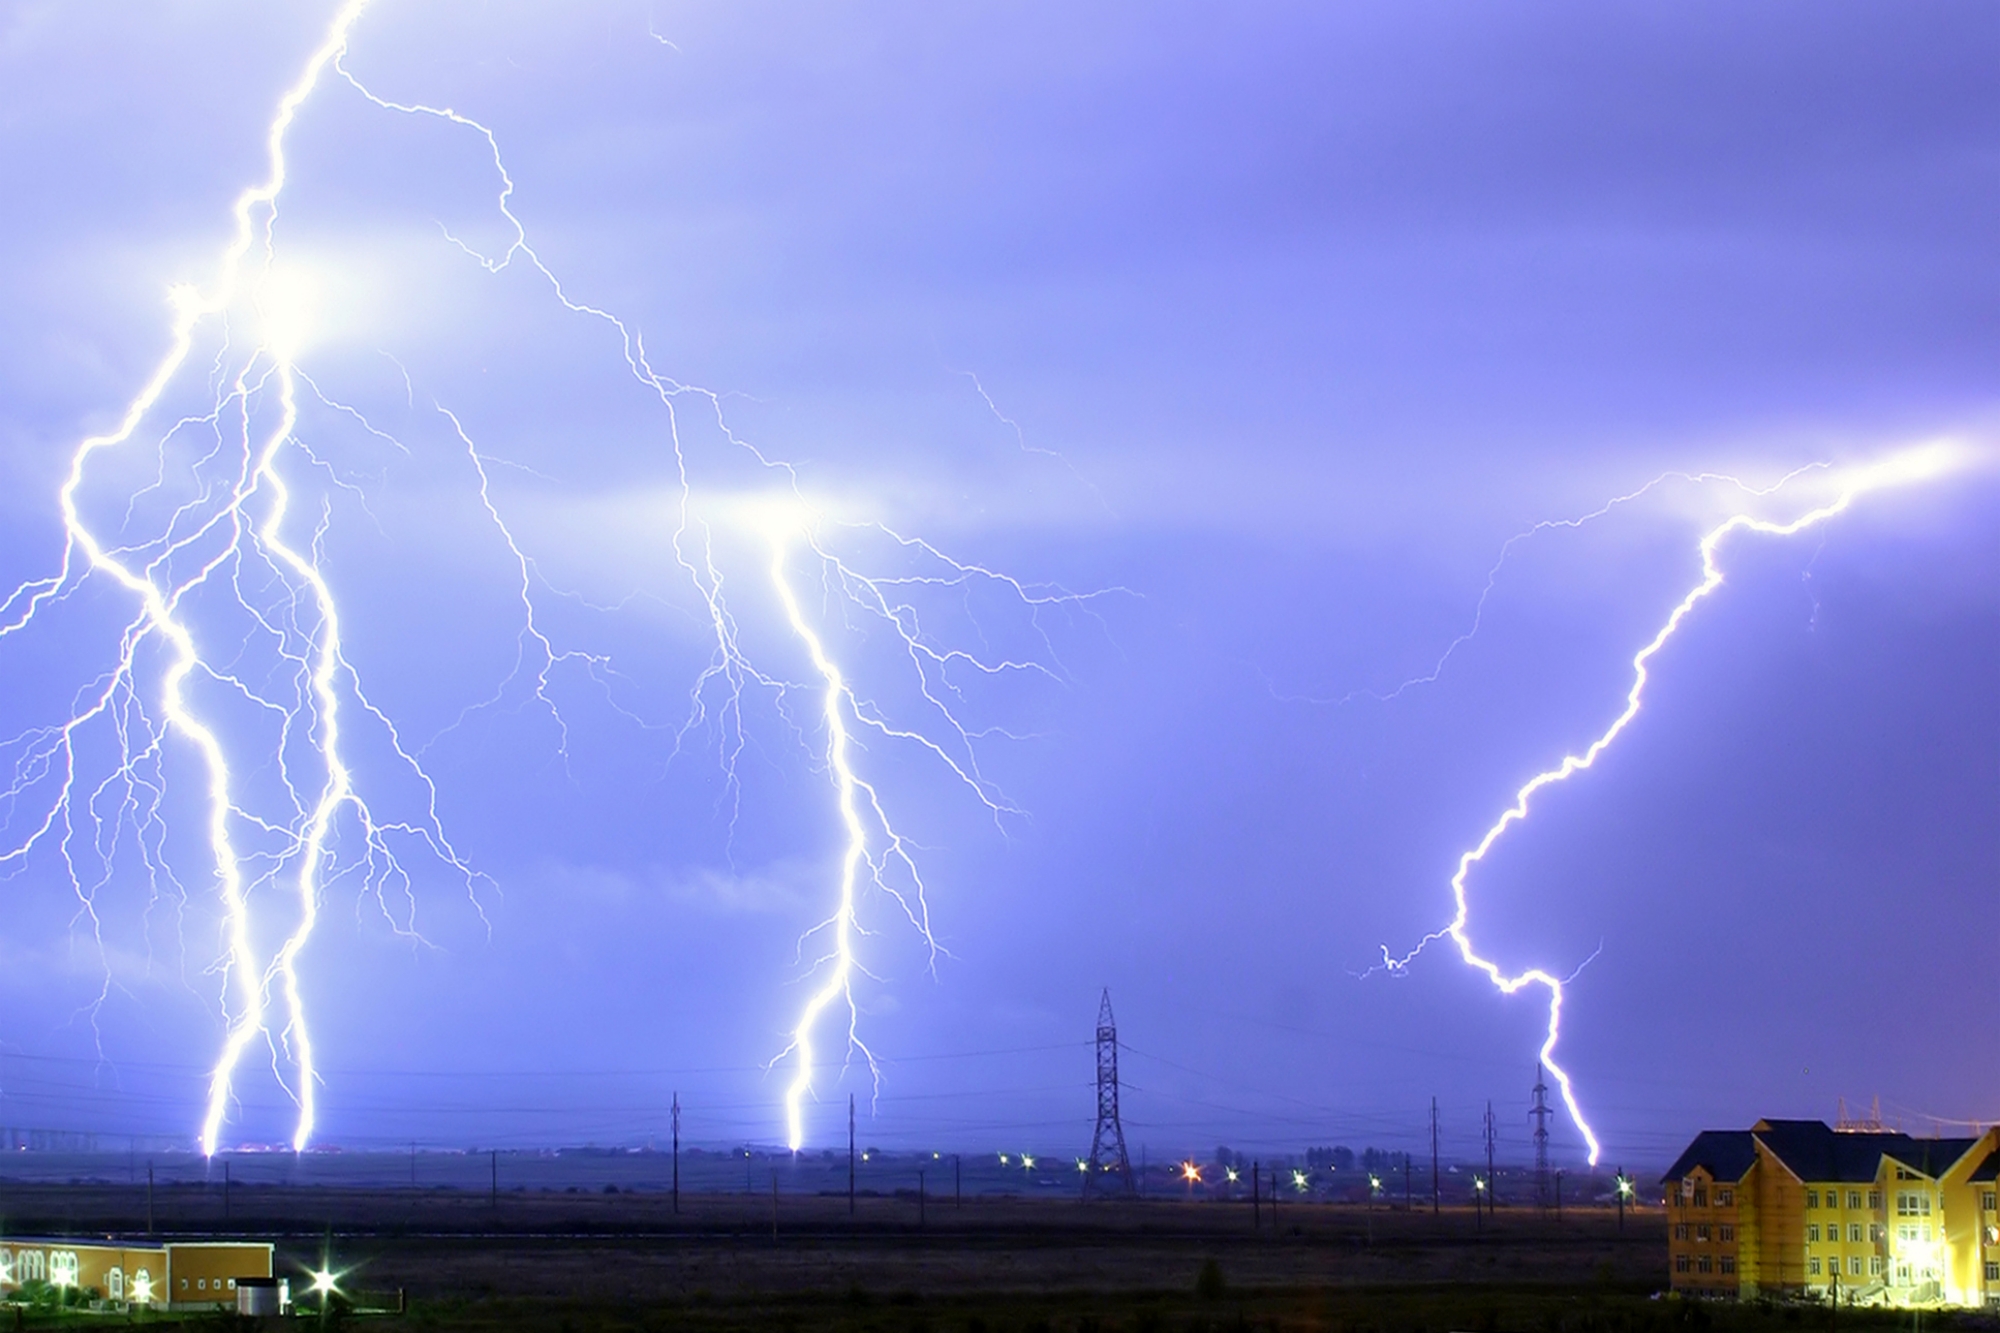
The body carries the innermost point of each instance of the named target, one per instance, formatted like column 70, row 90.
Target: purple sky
column 1286, row 320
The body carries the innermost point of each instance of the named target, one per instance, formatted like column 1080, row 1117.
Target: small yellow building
column 1795, row 1208
column 174, row 1275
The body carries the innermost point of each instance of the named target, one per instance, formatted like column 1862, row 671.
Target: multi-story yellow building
column 1795, row 1208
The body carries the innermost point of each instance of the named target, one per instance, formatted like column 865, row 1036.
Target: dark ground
column 561, row 1261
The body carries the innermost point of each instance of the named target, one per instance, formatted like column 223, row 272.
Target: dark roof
column 1988, row 1169
column 1933, row 1157
column 1813, row 1151
column 1727, row 1153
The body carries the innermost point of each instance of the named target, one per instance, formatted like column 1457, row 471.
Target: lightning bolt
column 1906, row 467
column 229, row 542
column 232, row 544
column 875, row 854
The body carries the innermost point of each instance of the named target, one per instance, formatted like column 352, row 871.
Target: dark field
column 561, row 1261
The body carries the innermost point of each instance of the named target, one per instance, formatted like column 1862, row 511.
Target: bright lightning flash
column 875, row 855
column 1844, row 487
column 278, row 610
column 244, row 614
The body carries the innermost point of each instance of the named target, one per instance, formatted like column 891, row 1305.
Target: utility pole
column 1408, row 1198
column 1256, row 1195
column 1539, row 1113
column 1618, row 1187
column 1559, row 1196
column 677, row 1154
column 922, row 1215
column 1434, row 1157
column 850, row 1154
column 1274, row 1200
column 1492, row 1197
column 1108, row 1156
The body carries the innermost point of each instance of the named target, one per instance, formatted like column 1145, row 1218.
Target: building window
column 1812, row 1233
column 201, row 1283
column 1728, row 1232
column 1701, row 1232
column 1992, row 1271
column 1680, row 1231
column 1854, row 1265
column 1704, row 1264
column 1727, row 1198
column 1986, row 1201
column 1854, row 1198
column 1812, row 1198
column 1680, row 1263
column 1675, row 1198
column 1876, row 1231
column 1875, row 1265
column 1913, row 1203
column 1812, row 1265
column 1854, row 1232
column 1875, row 1200
column 1729, row 1263
column 1905, row 1232
column 1700, row 1197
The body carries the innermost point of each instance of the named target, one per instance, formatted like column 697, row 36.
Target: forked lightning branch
column 229, row 651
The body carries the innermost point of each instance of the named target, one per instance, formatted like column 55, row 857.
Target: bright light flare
column 1842, row 486
column 1190, row 1173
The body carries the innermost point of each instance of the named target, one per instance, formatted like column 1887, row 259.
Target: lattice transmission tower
column 1540, row 1114
column 1109, row 1170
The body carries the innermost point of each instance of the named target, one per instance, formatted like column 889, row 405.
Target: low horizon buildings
column 157, row 1275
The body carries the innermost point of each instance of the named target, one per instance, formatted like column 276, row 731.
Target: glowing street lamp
column 1027, row 1162
column 1374, row 1188
column 1299, row 1181
column 1191, row 1176
column 1623, row 1190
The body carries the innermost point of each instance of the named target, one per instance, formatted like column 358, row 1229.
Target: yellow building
column 1794, row 1208
column 175, row 1275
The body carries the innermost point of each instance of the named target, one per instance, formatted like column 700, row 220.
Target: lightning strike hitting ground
column 217, row 579
column 786, row 520
column 1905, row 468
